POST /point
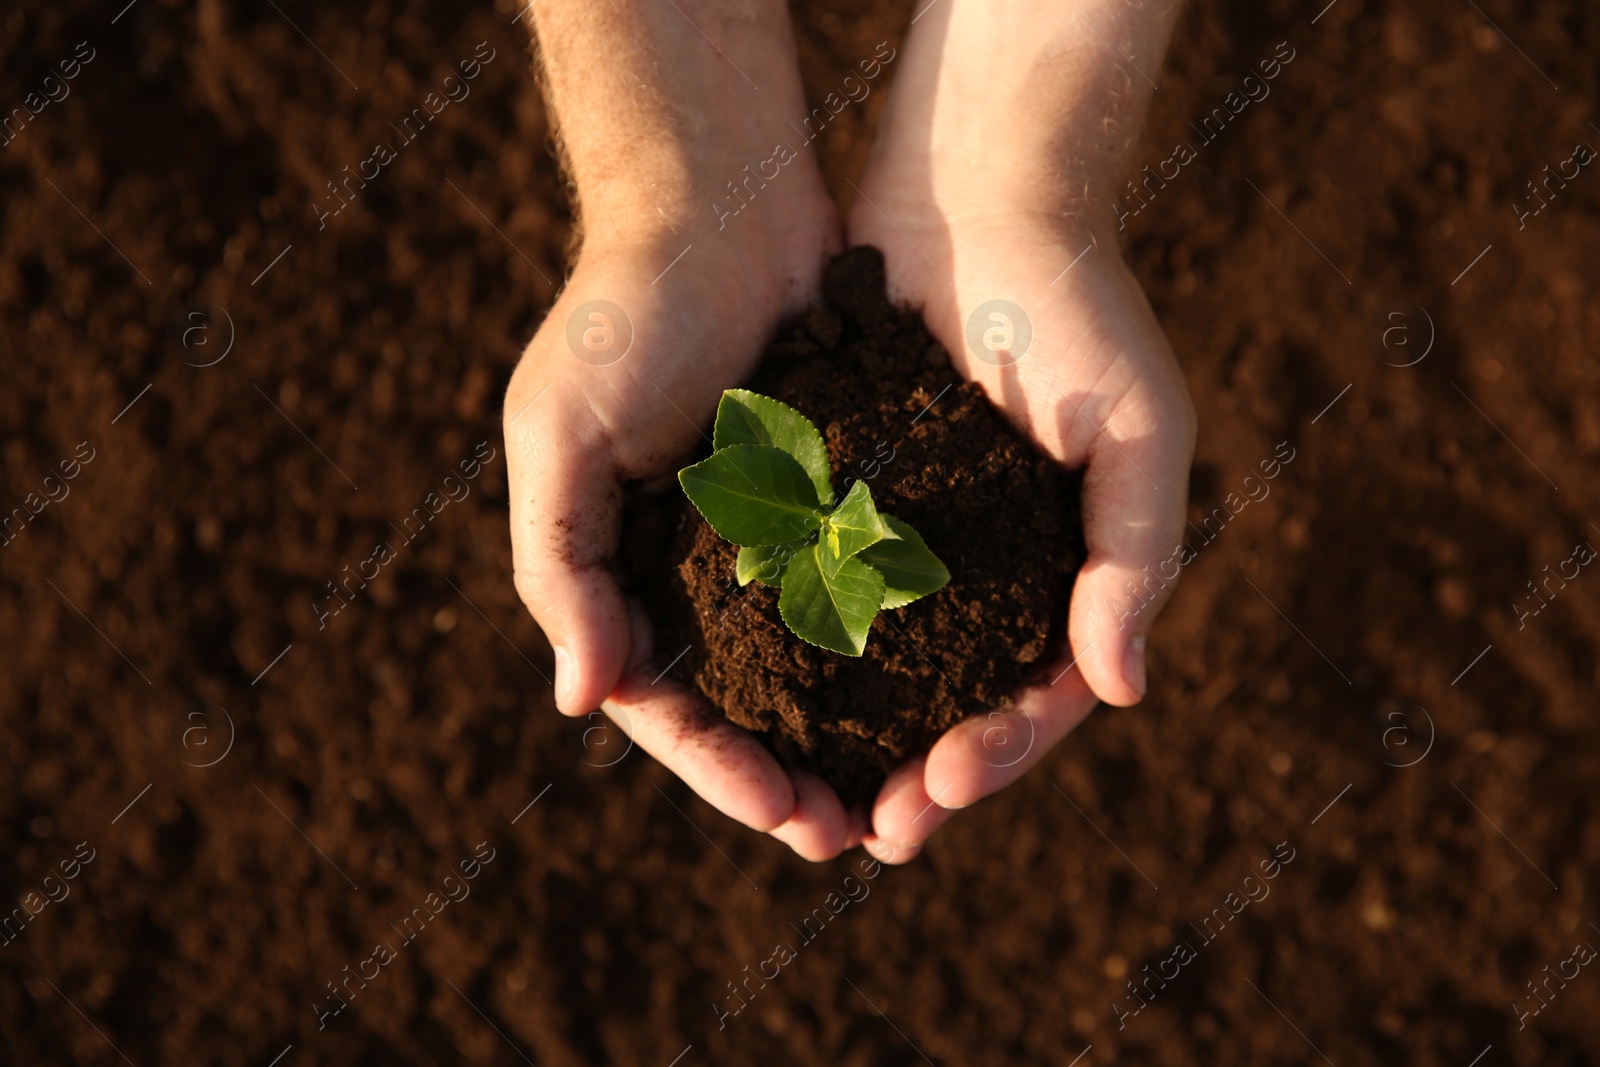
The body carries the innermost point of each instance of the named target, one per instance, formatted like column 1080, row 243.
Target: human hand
column 614, row 388
column 1098, row 389
column 671, row 301
column 1075, row 359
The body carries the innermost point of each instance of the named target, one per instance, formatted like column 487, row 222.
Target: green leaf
column 910, row 570
column 746, row 418
column 855, row 523
column 830, row 603
column 753, row 495
column 765, row 563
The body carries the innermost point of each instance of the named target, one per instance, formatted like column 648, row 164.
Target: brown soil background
column 418, row 723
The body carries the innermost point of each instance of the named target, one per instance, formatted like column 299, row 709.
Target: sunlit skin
column 994, row 171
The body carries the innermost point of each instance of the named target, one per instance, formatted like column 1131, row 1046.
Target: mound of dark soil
column 1001, row 515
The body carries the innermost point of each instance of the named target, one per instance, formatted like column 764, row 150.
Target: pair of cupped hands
column 700, row 291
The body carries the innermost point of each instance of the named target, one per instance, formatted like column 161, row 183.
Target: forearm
column 653, row 100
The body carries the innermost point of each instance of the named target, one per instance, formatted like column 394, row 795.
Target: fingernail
column 566, row 677
column 1133, row 664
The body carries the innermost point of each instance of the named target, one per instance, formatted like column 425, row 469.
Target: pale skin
column 994, row 170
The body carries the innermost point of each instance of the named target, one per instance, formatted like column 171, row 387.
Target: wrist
column 737, row 211
column 697, row 188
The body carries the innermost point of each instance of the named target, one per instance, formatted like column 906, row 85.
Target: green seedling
column 765, row 488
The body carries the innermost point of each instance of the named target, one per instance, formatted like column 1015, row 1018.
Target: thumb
column 1135, row 492
column 566, row 515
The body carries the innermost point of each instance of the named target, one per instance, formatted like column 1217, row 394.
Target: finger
column 983, row 755
column 1135, row 491
column 884, row 852
column 566, row 507
column 904, row 815
column 728, row 767
column 860, row 825
column 641, row 639
column 818, row 829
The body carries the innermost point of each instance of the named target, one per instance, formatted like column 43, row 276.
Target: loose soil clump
column 1002, row 515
